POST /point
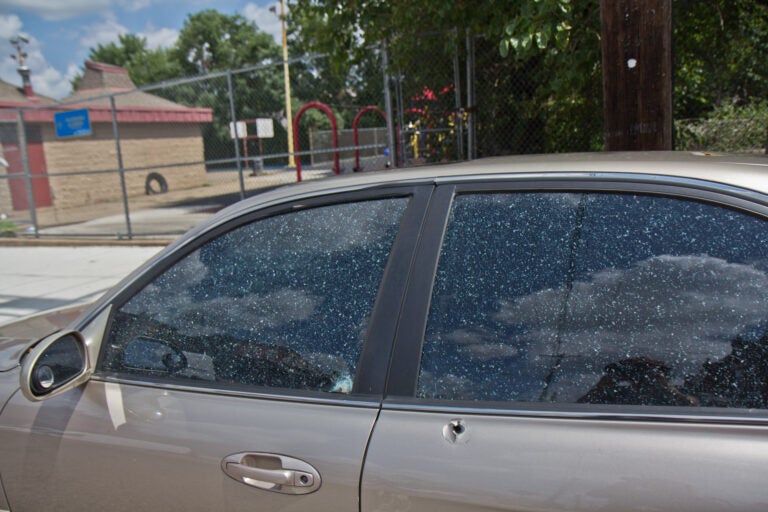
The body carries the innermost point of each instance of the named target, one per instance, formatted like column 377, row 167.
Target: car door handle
column 273, row 476
column 272, row 472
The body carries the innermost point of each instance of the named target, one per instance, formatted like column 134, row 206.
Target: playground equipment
column 327, row 110
column 355, row 135
column 398, row 157
column 264, row 130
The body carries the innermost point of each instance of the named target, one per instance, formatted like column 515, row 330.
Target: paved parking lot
column 34, row 278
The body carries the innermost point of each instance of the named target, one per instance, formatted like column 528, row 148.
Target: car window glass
column 281, row 302
column 599, row 298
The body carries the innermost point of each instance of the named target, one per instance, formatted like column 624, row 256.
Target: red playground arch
column 370, row 108
column 326, row 109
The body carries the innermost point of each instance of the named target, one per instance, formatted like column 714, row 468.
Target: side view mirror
column 56, row 364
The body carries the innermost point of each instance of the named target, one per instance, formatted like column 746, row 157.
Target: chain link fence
column 731, row 128
column 517, row 113
column 158, row 159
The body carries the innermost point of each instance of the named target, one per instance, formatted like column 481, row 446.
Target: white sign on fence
column 265, row 128
column 242, row 130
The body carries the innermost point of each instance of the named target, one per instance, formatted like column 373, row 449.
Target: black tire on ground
column 156, row 184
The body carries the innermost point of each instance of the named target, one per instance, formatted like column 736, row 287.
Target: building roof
column 101, row 82
column 13, row 96
column 105, row 77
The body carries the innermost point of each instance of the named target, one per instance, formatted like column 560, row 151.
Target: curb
column 82, row 242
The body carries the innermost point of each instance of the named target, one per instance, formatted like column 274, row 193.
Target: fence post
column 21, row 128
column 121, row 168
column 388, row 108
column 236, row 139
column 458, row 116
column 471, row 107
column 402, row 127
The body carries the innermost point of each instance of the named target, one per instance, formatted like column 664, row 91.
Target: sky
column 61, row 32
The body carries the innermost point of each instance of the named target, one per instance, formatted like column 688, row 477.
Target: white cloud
column 108, row 30
column 267, row 21
column 159, row 37
column 102, row 32
column 698, row 299
column 134, row 5
column 51, row 82
column 680, row 310
column 693, row 306
column 58, row 9
column 8, row 70
column 46, row 80
column 10, row 26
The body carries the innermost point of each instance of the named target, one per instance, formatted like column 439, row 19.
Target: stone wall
column 142, row 145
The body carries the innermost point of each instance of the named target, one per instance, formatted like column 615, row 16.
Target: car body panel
column 15, row 336
column 483, row 456
column 177, row 436
column 518, row 463
column 165, row 449
column 11, row 350
column 4, row 507
column 9, row 384
column 127, row 443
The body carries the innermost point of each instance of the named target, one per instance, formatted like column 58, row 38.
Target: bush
column 731, row 128
column 7, row 229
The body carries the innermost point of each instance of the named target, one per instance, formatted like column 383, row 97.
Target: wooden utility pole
column 637, row 74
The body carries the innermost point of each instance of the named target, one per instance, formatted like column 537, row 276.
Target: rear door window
column 602, row 298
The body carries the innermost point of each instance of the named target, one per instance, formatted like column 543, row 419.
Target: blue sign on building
column 73, row 123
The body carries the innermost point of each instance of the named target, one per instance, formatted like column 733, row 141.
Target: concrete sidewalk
column 33, row 278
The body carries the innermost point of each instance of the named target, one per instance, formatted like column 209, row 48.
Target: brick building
column 13, row 187
column 156, row 136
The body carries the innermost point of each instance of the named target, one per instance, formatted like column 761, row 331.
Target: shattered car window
column 281, row 302
column 599, row 298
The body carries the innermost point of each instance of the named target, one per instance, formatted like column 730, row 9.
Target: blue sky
column 62, row 31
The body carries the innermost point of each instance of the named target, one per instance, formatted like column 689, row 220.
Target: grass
column 7, row 229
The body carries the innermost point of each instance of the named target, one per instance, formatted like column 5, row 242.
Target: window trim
column 406, row 358
column 373, row 362
column 566, row 411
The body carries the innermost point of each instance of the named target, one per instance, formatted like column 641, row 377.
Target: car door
column 580, row 345
column 244, row 373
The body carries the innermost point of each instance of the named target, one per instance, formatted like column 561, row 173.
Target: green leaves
column 210, row 40
column 539, row 25
column 721, row 47
column 145, row 66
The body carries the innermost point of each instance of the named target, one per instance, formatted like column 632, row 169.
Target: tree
column 208, row 42
column 721, row 47
column 542, row 85
column 145, row 66
column 128, row 49
column 539, row 83
column 211, row 41
column 344, row 84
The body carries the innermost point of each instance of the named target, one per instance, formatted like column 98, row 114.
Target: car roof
column 744, row 171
